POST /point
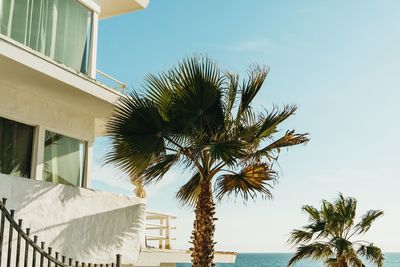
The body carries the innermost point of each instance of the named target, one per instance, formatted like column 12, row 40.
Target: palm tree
column 331, row 233
column 199, row 118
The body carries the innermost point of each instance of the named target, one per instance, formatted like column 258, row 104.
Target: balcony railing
column 158, row 229
column 112, row 82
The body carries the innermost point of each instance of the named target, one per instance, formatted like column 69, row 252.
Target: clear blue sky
column 339, row 61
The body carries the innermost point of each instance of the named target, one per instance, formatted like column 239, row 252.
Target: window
column 64, row 159
column 15, row 148
column 59, row 29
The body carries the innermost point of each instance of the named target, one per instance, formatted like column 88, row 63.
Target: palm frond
column 315, row 251
column 345, row 211
column 198, row 89
column 331, row 262
column 299, row 236
column 289, row 139
column 367, row 219
column 273, row 118
column 159, row 168
column 355, row 261
column 372, row 253
column 161, row 92
column 251, row 87
column 230, row 95
column 189, row 192
column 319, row 228
column 136, row 131
column 228, row 151
column 312, row 212
column 341, row 244
column 252, row 180
column 352, row 258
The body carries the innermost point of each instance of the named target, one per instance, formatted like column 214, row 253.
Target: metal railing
column 158, row 229
column 28, row 252
column 120, row 85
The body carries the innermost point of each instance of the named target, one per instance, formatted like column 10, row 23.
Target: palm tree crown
column 331, row 235
column 201, row 119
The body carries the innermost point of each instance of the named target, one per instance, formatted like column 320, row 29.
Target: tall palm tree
column 199, row 118
column 332, row 234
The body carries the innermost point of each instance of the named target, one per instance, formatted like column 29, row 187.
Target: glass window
column 15, row 148
column 59, row 29
column 64, row 159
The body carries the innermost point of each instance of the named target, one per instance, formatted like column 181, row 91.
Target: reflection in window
column 64, row 159
column 59, row 29
column 15, row 148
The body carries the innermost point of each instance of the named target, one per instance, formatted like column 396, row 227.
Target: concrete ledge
column 152, row 257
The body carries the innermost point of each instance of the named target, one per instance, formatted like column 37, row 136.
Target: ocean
column 281, row 259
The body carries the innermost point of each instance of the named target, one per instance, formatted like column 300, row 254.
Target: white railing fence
column 112, row 82
column 158, row 229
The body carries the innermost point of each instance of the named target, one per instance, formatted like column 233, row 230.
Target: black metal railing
column 29, row 252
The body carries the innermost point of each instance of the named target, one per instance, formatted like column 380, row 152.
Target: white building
column 52, row 108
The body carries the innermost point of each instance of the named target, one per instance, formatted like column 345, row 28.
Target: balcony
column 60, row 30
column 158, row 229
column 158, row 250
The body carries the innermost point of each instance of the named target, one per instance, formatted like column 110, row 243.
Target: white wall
column 83, row 224
column 35, row 108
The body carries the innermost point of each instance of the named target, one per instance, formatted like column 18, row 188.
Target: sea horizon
column 280, row 259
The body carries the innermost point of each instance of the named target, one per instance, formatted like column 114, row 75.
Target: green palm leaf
column 273, row 118
column 315, row 251
column 197, row 105
column 230, row 94
column 252, row 180
column 372, row 253
column 367, row 219
column 189, row 192
column 251, row 87
column 289, row 139
column 136, row 130
column 161, row 166
column 228, row 151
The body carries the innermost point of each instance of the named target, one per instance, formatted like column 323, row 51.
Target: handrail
column 14, row 226
column 161, row 223
column 122, row 86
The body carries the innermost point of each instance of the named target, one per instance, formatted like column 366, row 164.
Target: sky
column 339, row 61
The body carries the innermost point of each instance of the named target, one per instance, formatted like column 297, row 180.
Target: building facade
column 52, row 108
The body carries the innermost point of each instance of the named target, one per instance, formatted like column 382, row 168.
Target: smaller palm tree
column 331, row 235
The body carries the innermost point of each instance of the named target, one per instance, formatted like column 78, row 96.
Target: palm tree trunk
column 204, row 228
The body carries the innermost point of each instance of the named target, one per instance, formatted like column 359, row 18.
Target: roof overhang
column 111, row 8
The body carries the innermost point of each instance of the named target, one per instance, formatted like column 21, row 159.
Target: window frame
column 85, row 171
column 37, row 150
column 95, row 9
column 31, row 175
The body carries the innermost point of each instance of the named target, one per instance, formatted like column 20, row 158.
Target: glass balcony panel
column 59, row 29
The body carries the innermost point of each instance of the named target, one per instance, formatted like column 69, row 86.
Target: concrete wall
column 83, row 224
column 34, row 107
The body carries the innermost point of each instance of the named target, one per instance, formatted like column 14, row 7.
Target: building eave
column 111, row 8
